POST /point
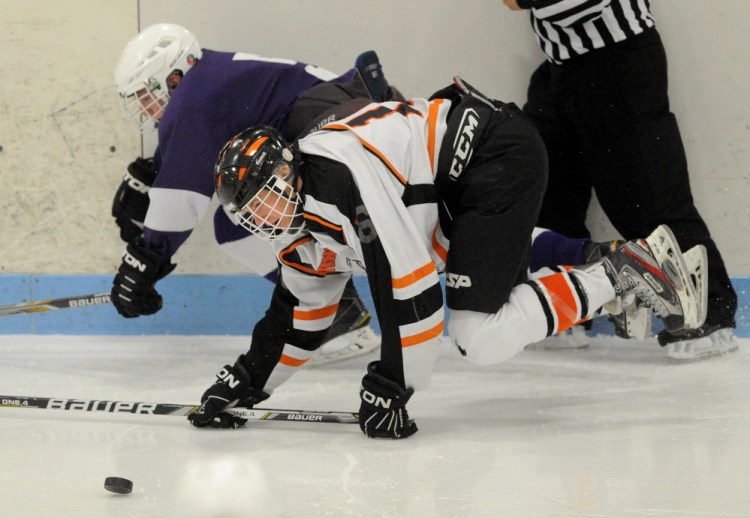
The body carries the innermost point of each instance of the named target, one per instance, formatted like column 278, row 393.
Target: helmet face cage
column 150, row 68
column 145, row 107
column 275, row 211
column 255, row 179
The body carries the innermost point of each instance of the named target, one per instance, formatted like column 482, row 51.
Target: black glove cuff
column 143, row 170
column 379, row 391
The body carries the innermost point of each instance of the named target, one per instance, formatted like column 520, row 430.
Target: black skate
column 369, row 70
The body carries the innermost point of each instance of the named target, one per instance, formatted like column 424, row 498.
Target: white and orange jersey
column 368, row 185
column 391, row 150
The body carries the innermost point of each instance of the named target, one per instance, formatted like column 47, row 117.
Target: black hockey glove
column 133, row 292
column 131, row 199
column 232, row 388
column 382, row 413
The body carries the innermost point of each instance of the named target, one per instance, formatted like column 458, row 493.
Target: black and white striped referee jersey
column 569, row 28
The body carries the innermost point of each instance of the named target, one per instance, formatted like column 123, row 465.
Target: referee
column 600, row 103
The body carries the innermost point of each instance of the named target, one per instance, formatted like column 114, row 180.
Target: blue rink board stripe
column 193, row 305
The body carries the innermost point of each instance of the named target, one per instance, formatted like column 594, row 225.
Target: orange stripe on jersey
column 252, row 149
column 432, row 116
column 424, row 336
column 372, row 149
column 297, row 266
column 419, row 273
column 316, row 314
column 439, row 249
column 323, row 222
column 563, row 300
column 291, row 362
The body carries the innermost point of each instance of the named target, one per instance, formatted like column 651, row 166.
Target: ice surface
column 615, row 430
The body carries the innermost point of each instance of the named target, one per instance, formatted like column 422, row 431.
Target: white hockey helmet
column 150, row 67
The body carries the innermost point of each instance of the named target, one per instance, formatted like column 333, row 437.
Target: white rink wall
column 64, row 146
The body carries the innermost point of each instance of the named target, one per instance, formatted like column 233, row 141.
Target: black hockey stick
column 170, row 409
column 80, row 301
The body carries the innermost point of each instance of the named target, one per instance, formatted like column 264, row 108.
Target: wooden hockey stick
column 170, row 409
column 79, row 301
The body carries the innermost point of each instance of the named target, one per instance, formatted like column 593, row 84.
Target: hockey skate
column 350, row 335
column 696, row 260
column 707, row 340
column 633, row 320
column 369, row 70
column 654, row 270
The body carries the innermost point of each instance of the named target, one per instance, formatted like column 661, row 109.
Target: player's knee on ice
column 487, row 338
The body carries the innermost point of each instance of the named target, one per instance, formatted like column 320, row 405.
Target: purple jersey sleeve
column 222, row 95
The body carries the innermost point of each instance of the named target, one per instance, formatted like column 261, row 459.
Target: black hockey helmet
column 259, row 161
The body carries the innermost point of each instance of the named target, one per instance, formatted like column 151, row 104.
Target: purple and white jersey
column 223, row 94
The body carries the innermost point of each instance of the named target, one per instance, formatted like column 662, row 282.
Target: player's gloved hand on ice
column 133, row 292
column 131, row 199
column 382, row 413
column 232, row 388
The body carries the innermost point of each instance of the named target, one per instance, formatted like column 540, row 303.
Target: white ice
column 615, row 430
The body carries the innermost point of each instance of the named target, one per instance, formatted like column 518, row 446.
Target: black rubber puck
column 118, row 485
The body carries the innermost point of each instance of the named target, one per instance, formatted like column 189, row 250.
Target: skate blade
column 696, row 260
column 358, row 343
column 667, row 254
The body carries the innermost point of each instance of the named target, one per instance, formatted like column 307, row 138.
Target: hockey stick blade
column 170, row 409
column 80, row 301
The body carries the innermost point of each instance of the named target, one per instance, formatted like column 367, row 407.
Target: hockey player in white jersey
column 410, row 190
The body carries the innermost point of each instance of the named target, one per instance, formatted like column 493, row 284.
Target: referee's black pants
column 605, row 120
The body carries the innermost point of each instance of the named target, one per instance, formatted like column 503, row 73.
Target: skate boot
column 597, row 250
column 654, row 270
column 369, row 70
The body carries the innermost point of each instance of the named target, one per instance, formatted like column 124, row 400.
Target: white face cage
column 275, row 211
column 146, row 106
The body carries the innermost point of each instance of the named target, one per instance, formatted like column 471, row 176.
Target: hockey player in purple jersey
column 199, row 98
column 411, row 190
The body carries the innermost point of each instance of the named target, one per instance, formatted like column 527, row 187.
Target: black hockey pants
column 492, row 172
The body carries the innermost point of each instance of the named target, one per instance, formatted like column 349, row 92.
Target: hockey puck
column 118, row 485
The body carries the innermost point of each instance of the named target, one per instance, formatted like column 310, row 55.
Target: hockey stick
column 170, row 409
column 79, row 301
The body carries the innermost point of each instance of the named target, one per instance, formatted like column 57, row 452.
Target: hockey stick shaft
column 80, row 301
column 170, row 409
